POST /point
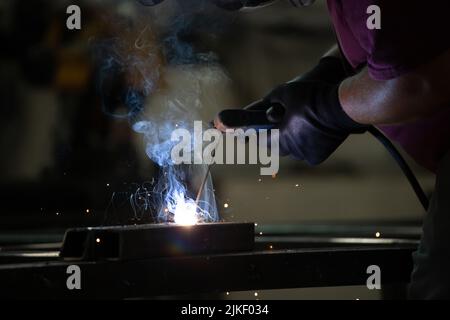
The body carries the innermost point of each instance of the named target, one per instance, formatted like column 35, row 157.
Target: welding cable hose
column 254, row 117
column 407, row 171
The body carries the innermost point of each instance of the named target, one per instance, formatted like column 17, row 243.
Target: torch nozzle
column 202, row 185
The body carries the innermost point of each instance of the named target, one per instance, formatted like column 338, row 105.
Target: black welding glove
column 330, row 70
column 314, row 124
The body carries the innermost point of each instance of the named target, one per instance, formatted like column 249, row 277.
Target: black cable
column 403, row 165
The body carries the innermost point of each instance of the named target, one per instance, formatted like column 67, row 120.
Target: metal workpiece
column 156, row 240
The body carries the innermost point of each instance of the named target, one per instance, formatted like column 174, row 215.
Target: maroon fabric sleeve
column 412, row 32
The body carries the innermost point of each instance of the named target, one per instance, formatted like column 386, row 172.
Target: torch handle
column 257, row 115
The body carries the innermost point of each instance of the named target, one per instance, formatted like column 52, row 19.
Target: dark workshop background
column 62, row 158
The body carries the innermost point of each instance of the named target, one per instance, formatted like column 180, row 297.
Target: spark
column 256, row 294
column 98, row 240
column 377, row 234
column 256, row 224
column 107, row 184
column 260, row 233
column 226, row 205
column 88, row 211
column 260, row 180
column 57, row 213
column 271, row 247
column 228, row 293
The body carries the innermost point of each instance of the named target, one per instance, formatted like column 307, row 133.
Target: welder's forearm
column 404, row 99
column 368, row 101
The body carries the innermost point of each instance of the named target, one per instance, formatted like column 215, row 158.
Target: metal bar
column 208, row 273
column 156, row 240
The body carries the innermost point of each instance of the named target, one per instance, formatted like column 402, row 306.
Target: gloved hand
column 314, row 123
column 330, row 70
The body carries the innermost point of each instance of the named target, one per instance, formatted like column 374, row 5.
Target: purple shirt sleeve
column 412, row 32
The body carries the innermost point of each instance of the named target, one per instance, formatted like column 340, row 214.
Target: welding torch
column 259, row 115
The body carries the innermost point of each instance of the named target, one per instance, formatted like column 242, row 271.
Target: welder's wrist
column 330, row 70
column 333, row 69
